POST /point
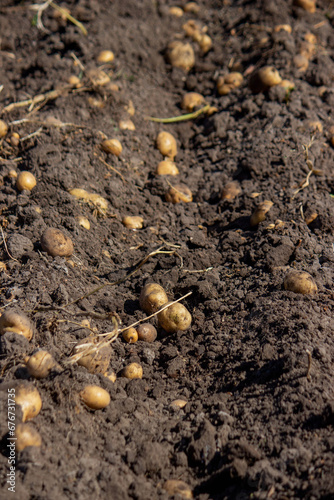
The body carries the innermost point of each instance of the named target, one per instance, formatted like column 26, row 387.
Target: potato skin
column 54, row 242
column 17, row 322
column 147, row 332
column 95, row 397
column 152, row 297
column 300, row 282
column 174, row 318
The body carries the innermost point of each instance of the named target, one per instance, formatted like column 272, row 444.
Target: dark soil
column 259, row 417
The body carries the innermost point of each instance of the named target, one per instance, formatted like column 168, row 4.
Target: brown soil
column 259, row 418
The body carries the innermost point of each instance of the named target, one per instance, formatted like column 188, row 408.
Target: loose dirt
column 256, row 367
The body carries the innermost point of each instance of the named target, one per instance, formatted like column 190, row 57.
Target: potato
column 40, row 364
column 56, row 243
column 84, row 222
column 3, row 128
column 133, row 370
column 191, row 100
column 112, row 146
column 96, row 361
column 265, row 78
column 308, row 5
column 105, row 56
column 300, row 62
column 174, row 318
column 126, row 125
column 175, row 11
column 17, row 322
column 146, row 332
column 130, row 335
column 231, row 190
column 26, row 181
column 178, row 193
column 111, row 375
column 283, row 27
column 28, row 397
column 152, row 297
column 178, row 487
column 300, row 282
column 178, row 403
column 166, row 144
column 26, row 435
column 95, row 397
column 167, row 167
column 135, row 222
column 192, row 8
column 181, row 55
column 15, row 139
column 259, row 215
column 98, row 77
column 205, row 43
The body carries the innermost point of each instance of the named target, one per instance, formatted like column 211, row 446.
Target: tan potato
column 95, row 397
column 181, row 55
column 26, row 435
column 175, row 11
column 105, row 56
column 130, row 335
column 98, row 201
column 28, row 397
column 192, row 100
column 265, row 78
column 178, row 403
column 231, row 190
column 192, row 8
column 40, row 364
column 17, row 322
column 167, row 167
column 166, row 144
column 174, row 318
column 75, row 81
column 193, row 29
column 205, row 43
column 97, row 359
column 25, row 181
column 178, row 487
column 111, row 375
column 308, row 5
column 259, row 215
column 15, row 139
column 283, row 27
column 300, row 282
column 146, row 332
column 84, row 222
column 178, row 193
column 112, row 146
column 56, row 243
column 98, row 77
column 126, row 125
column 3, row 128
column 152, row 297
column 300, row 62
column 133, row 370
column 133, row 222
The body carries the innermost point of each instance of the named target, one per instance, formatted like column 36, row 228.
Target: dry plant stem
column 182, row 118
column 38, row 132
column 42, row 7
column 79, row 63
column 309, row 164
column 309, row 363
column 112, row 168
column 70, row 18
column 6, row 248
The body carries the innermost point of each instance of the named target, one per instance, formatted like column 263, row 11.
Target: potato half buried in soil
column 181, row 55
column 97, row 359
column 56, row 243
column 178, row 193
column 174, row 318
column 40, row 364
column 17, row 322
column 28, row 397
column 26, row 435
column 300, row 282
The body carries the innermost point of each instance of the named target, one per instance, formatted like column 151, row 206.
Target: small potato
column 174, row 318
column 95, row 397
column 81, row 194
column 133, row 370
column 111, row 375
column 28, row 397
column 97, row 359
column 259, row 215
column 300, row 282
column 288, row 85
column 84, row 222
column 130, row 335
column 283, row 27
column 193, row 29
column 3, row 128
column 234, row 78
column 231, row 190
column 17, row 322
column 152, row 297
column 205, row 43
column 192, row 100
column 178, row 193
column 167, row 167
column 147, row 332
column 15, row 139
column 175, row 11
column 40, row 364
column 25, row 181
column 166, row 144
column 265, row 78
column 74, row 81
column 105, row 56
column 308, row 5
column 181, row 55
column 112, row 146
column 192, row 8
column 98, row 77
column 300, row 62
column 98, row 201
column 178, row 487
column 26, row 435
column 134, row 222
column 178, row 403
column 56, row 243
column 126, row 125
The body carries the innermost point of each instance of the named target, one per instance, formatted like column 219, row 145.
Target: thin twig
column 309, row 363
column 4, row 242
column 182, row 118
column 112, row 168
